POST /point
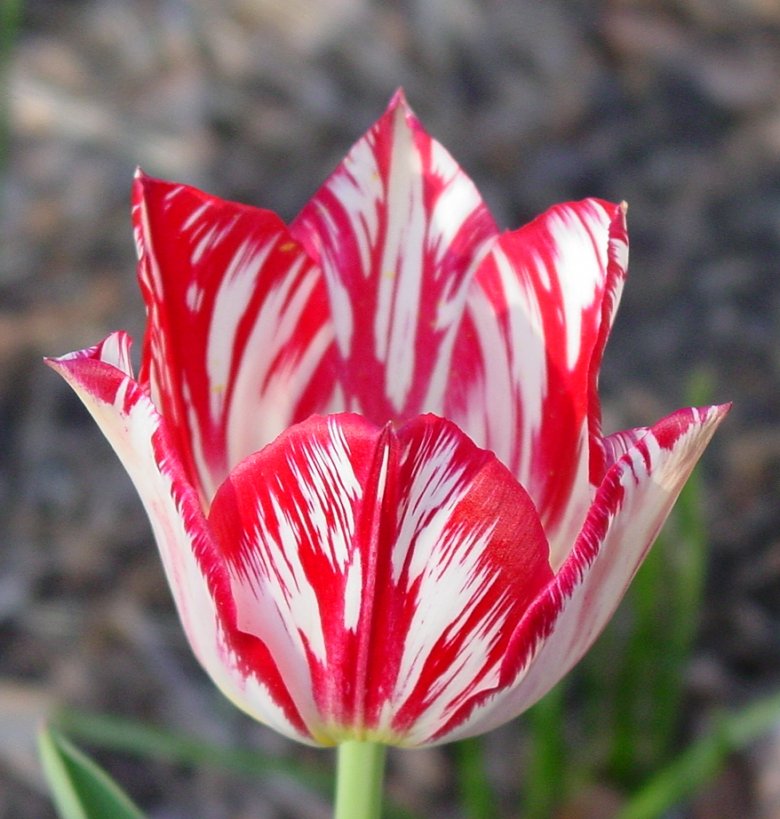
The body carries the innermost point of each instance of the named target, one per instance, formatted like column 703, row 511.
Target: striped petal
column 398, row 230
column 529, row 351
column 384, row 570
column 469, row 556
column 102, row 377
column 238, row 328
column 630, row 507
column 389, row 575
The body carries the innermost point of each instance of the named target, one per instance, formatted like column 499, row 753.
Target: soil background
column 672, row 105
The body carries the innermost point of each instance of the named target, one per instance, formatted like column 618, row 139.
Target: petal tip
column 399, row 107
column 398, row 100
column 114, row 349
column 709, row 415
column 714, row 415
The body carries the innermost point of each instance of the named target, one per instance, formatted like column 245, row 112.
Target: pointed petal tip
column 616, row 211
column 141, row 177
column 399, row 105
column 140, row 186
column 671, row 428
column 398, row 100
column 114, row 349
column 144, row 184
column 142, row 180
column 618, row 232
column 715, row 413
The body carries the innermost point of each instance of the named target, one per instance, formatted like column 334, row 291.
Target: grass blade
column 545, row 783
column 10, row 21
column 81, row 789
column 701, row 761
column 146, row 741
column 476, row 792
column 149, row 742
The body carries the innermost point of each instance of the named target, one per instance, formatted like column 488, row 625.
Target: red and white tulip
column 369, row 442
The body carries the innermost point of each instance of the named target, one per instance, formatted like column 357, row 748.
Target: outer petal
column 630, row 507
column 102, row 378
column 238, row 329
column 527, row 357
column 398, row 230
column 382, row 569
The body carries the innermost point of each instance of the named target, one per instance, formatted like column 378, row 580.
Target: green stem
column 359, row 776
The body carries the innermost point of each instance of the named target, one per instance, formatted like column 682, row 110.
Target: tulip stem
column 359, row 776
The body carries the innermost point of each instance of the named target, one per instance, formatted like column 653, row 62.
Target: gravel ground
column 672, row 105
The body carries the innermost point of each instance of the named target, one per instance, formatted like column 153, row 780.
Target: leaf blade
column 79, row 787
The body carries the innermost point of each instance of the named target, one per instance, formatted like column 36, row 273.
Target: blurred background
column 672, row 105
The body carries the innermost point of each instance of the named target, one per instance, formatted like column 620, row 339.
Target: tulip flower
column 369, row 443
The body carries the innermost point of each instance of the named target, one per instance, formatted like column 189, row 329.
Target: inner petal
column 384, row 569
column 397, row 230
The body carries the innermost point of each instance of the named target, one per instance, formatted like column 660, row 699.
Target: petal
column 527, row 358
column 469, row 556
column 238, row 334
column 381, row 568
column 287, row 520
column 398, row 230
column 102, row 378
column 617, row 444
column 630, row 507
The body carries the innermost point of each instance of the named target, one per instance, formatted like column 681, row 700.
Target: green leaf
column 700, row 762
column 80, row 788
column 151, row 742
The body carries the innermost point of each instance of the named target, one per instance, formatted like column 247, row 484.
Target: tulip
column 369, row 443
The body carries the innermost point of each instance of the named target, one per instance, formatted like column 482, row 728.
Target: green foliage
column 664, row 605
column 476, row 793
column 149, row 742
column 626, row 697
column 624, row 701
column 546, row 780
column 81, row 790
column 10, row 20
column 701, row 761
